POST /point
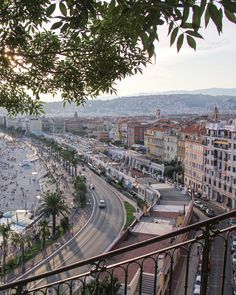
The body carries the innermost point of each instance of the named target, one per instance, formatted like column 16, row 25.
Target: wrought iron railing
column 180, row 262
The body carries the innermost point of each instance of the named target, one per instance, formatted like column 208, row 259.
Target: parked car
column 233, row 249
column 205, row 198
column 198, row 280
column 234, row 258
column 210, row 212
column 196, row 290
column 203, row 207
column 102, row 204
column 197, row 195
column 197, row 203
column 232, row 221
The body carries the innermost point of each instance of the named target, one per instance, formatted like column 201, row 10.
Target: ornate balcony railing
column 181, row 262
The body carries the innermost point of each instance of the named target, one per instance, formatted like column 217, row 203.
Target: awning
column 221, row 142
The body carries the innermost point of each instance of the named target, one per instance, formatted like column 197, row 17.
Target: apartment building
column 153, row 140
column 34, row 125
column 193, row 164
column 162, row 142
column 170, row 146
column 135, row 133
column 219, row 183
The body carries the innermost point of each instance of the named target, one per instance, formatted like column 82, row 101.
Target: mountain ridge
column 146, row 105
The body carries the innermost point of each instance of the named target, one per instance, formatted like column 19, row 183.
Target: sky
column 213, row 64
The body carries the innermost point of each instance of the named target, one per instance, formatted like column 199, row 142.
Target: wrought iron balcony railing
column 191, row 259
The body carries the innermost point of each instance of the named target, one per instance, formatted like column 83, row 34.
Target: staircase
column 147, row 284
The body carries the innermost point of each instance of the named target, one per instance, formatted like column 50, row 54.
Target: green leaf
column 56, row 25
column 180, row 42
column 216, row 16
column 230, row 16
column 196, row 16
column 63, row 8
column 173, row 35
column 187, row 26
column 203, row 6
column 194, row 33
column 207, row 17
column 170, row 28
column 51, row 9
column 144, row 38
column 191, row 42
column 185, row 14
column 229, row 5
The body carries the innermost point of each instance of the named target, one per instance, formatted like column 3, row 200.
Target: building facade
column 193, row 164
column 219, row 183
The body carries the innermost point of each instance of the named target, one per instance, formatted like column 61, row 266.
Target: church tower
column 158, row 114
column 216, row 115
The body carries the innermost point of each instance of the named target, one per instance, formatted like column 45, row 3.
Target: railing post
column 224, row 265
column 205, row 260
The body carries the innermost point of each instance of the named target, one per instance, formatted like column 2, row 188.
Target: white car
column 234, row 258
column 102, row 204
column 196, row 290
column 92, row 186
column 198, row 280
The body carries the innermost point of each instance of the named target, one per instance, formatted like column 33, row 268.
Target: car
column 210, row 212
column 203, row 207
column 198, row 280
column 234, row 258
column 102, row 204
column 197, row 203
column 234, row 289
column 233, row 249
column 232, row 221
column 197, row 195
column 196, row 290
column 205, row 198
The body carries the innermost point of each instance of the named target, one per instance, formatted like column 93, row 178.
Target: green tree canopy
column 80, row 48
column 53, row 204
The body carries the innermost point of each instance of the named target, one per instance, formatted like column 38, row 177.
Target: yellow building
column 154, row 141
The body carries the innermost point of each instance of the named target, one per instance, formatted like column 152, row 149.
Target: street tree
column 24, row 242
column 5, row 233
column 79, row 49
column 43, row 230
column 53, row 205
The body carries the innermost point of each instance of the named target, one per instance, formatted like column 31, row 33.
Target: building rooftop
column 157, row 227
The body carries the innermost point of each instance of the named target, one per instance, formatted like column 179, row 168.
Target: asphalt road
column 214, row 283
column 102, row 229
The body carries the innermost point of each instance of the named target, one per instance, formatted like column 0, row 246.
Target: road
column 214, row 281
column 102, row 229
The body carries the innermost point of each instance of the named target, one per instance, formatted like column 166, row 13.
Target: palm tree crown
column 53, row 204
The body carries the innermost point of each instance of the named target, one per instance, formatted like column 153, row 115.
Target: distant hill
column 147, row 105
column 208, row 91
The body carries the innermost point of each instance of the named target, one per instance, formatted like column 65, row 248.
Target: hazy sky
column 212, row 65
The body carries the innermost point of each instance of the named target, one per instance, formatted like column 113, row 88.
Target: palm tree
column 4, row 232
column 23, row 241
column 43, row 231
column 53, row 204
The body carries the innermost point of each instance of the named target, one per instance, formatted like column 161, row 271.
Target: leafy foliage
column 104, row 286
column 53, row 204
column 80, row 48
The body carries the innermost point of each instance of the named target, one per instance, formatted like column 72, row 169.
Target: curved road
column 102, row 229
